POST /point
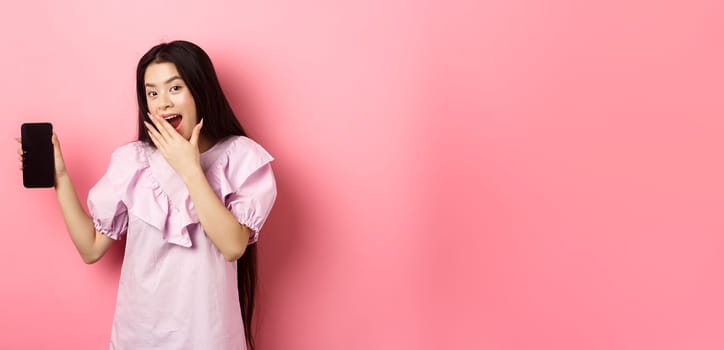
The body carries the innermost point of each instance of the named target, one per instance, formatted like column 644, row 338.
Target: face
column 168, row 97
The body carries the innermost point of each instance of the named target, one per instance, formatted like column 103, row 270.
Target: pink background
column 452, row 175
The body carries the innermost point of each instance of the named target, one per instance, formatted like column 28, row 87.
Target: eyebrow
column 165, row 82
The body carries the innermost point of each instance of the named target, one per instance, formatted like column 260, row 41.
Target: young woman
column 191, row 196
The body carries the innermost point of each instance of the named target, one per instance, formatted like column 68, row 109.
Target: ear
column 196, row 132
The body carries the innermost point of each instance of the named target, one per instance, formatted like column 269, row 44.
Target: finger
column 170, row 132
column 165, row 128
column 56, row 143
column 156, row 138
column 196, row 132
column 20, row 150
column 153, row 133
column 157, row 127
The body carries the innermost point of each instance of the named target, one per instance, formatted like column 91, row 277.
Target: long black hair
column 197, row 71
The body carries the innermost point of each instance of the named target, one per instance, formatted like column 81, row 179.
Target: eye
column 175, row 88
column 151, row 93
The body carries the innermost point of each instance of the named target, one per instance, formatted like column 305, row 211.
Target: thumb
column 56, row 142
column 56, row 145
column 196, row 132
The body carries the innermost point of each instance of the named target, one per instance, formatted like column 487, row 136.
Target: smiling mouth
column 174, row 120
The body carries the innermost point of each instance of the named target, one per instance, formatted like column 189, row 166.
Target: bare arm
column 222, row 228
column 91, row 244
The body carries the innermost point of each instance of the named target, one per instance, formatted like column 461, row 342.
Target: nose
column 164, row 102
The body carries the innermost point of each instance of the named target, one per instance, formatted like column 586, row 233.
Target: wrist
column 61, row 175
column 61, row 178
column 192, row 175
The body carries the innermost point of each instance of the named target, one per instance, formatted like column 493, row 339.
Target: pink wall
column 510, row 175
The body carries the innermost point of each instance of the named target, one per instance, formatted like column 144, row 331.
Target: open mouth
column 174, row 120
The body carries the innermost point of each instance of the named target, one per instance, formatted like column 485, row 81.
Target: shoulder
column 239, row 157
column 244, row 143
column 129, row 158
column 132, row 151
column 243, row 150
column 126, row 163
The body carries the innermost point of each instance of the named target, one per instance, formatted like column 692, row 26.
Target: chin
column 186, row 134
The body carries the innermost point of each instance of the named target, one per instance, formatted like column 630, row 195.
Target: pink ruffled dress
column 176, row 290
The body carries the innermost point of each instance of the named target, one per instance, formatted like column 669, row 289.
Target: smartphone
column 38, row 160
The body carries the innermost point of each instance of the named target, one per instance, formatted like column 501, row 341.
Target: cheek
column 189, row 105
column 151, row 104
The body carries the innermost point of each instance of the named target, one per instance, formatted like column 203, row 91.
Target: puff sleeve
column 106, row 199
column 248, row 185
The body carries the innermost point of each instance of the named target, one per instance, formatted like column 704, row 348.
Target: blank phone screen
column 38, row 164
